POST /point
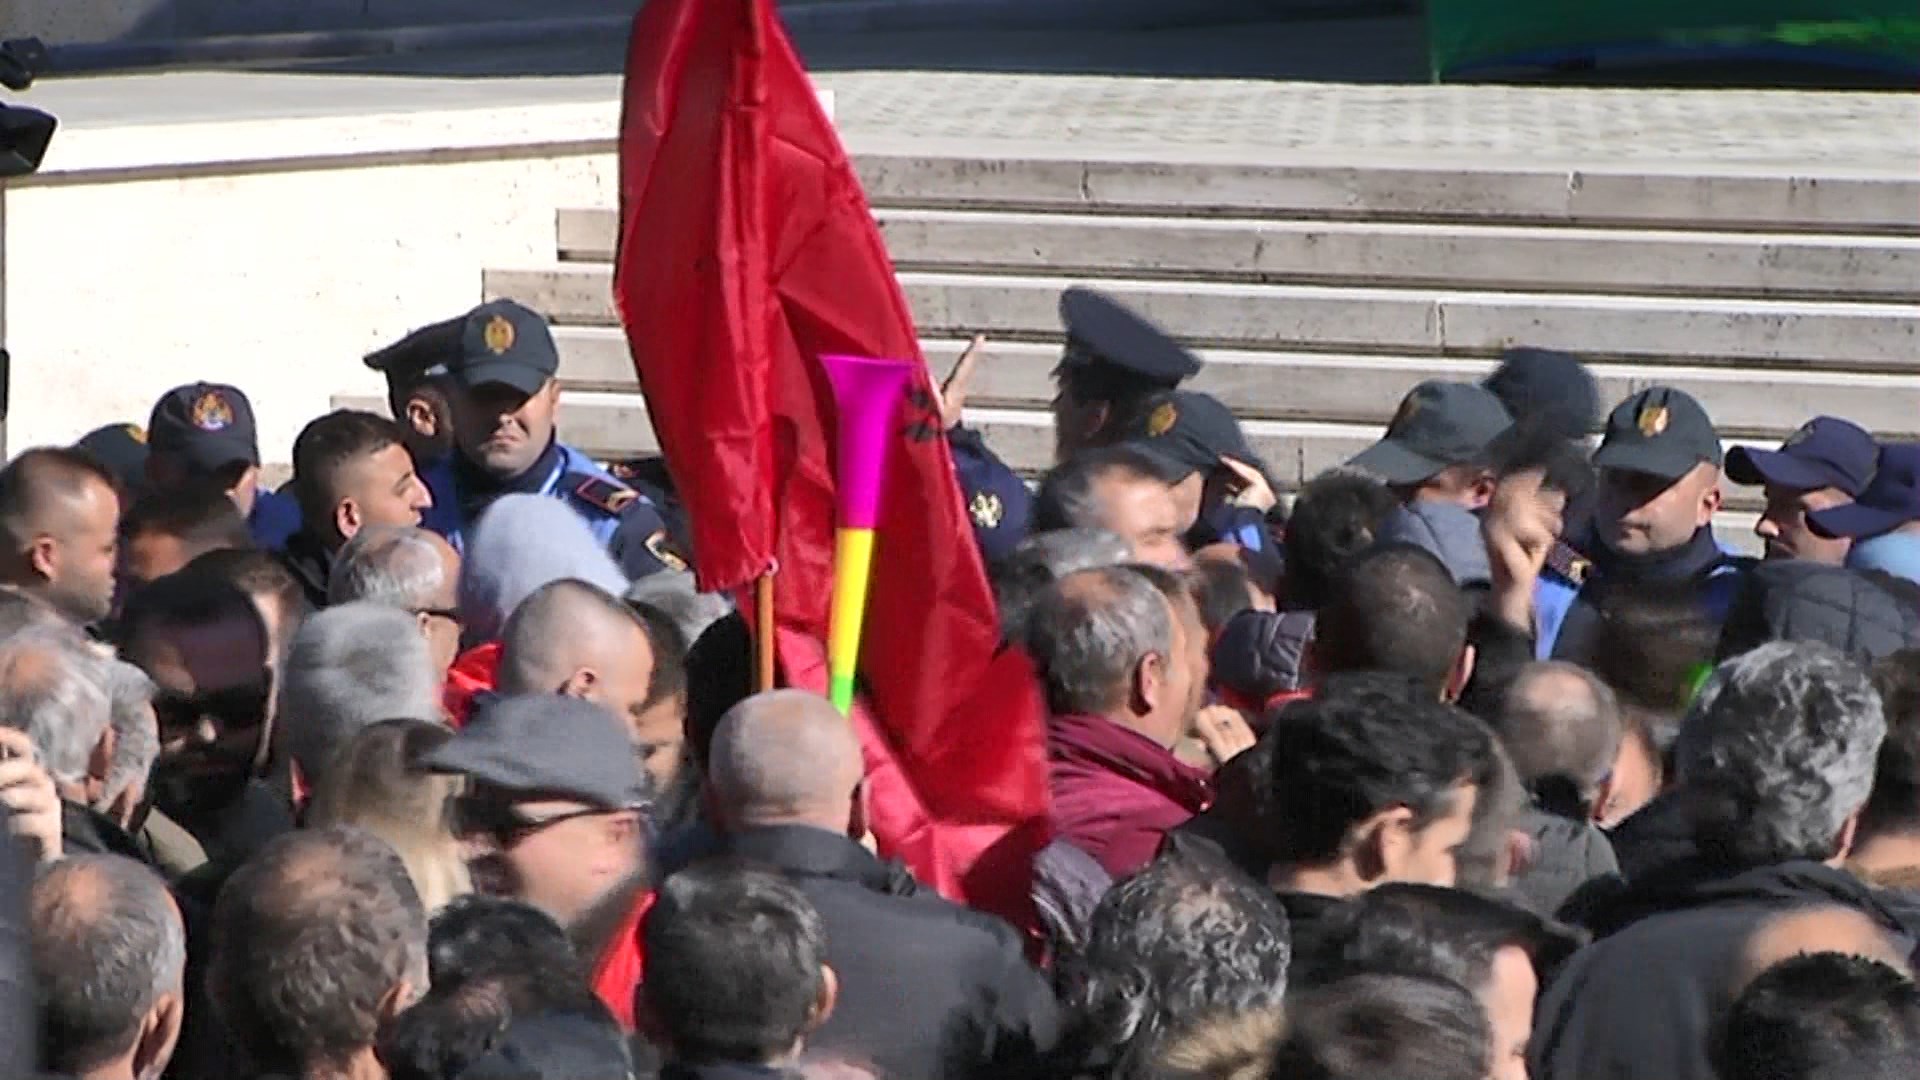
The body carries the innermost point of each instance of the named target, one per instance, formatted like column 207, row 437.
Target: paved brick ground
column 1253, row 117
column 1837, row 131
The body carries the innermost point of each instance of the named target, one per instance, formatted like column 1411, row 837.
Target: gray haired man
column 1776, row 760
column 110, row 957
column 352, row 666
column 50, row 690
column 410, row 569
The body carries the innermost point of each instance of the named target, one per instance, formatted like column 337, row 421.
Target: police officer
column 1659, row 466
column 203, row 433
column 1114, row 362
column 503, row 393
column 1219, row 483
column 415, row 368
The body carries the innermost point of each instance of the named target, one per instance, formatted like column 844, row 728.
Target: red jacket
column 1117, row 792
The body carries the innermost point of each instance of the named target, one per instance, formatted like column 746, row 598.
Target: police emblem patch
column 1652, row 420
column 986, row 510
column 662, row 548
column 498, row 334
column 211, row 412
column 137, row 433
column 1161, row 420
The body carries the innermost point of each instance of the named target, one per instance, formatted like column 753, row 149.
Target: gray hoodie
column 1451, row 532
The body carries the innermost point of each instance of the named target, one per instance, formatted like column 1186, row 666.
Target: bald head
column 1562, row 728
column 786, row 757
column 1826, row 929
column 571, row 637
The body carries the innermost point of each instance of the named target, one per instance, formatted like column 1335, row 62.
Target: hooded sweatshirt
column 1450, row 531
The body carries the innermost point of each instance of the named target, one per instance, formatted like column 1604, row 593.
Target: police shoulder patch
column 605, row 494
column 660, row 546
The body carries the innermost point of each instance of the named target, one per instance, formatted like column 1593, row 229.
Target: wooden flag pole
column 763, row 631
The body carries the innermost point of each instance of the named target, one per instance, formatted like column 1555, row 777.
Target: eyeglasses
column 232, row 710
column 473, row 815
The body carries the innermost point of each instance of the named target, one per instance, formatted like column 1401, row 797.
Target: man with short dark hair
column 1498, row 951
column 165, row 530
column 556, row 808
column 568, row 637
column 1172, row 946
column 110, row 957
column 1120, row 490
column 928, row 989
column 202, row 434
column 317, row 942
column 1776, row 761
column 59, row 521
column 351, row 471
column 1372, row 1026
column 1124, row 671
column 1371, row 782
column 735, row 972
column 205, row 646
column 1397, row 609
column 1823, row 1016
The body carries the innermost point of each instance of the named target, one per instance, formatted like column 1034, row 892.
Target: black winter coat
column 1641, row 1003
column 929, row 990
column 1865, row 614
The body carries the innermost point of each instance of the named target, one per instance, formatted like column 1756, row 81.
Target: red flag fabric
column 747, row 251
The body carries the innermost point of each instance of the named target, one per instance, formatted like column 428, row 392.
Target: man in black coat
column 928, row 990
column 1776, row 759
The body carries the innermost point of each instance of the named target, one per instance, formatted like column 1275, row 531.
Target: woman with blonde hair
column 373, row 784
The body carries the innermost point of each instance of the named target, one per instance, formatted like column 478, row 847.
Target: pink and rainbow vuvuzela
column 868, row 394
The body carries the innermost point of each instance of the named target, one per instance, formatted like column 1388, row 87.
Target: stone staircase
column 1320, row 293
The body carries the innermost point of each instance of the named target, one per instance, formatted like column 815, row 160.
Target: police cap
column 1103, row 333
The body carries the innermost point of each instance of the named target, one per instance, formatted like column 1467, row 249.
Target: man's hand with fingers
column 953, row 389
column 1520, row 526
column 27, row 790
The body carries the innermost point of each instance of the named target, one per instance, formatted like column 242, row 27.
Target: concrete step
column 1359, row 389
column 1373, row 254
column 1193, row 184
column 1797, row 335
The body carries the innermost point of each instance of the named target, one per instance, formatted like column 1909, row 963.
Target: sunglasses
column 232, row 710
column 476, row 815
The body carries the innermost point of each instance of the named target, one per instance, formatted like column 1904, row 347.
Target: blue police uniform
column 274, row 520
column 505, row 346
column 625, row 521
column 997, row 500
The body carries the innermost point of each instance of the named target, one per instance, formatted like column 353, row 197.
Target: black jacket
column 929, row 990
column 86, row 831
column 310, row 564
column 1640, row 1004
column 1865, row 614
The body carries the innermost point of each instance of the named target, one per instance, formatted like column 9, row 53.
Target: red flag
column 747, row 251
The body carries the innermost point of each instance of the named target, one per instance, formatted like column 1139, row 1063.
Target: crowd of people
column 1482, row 756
